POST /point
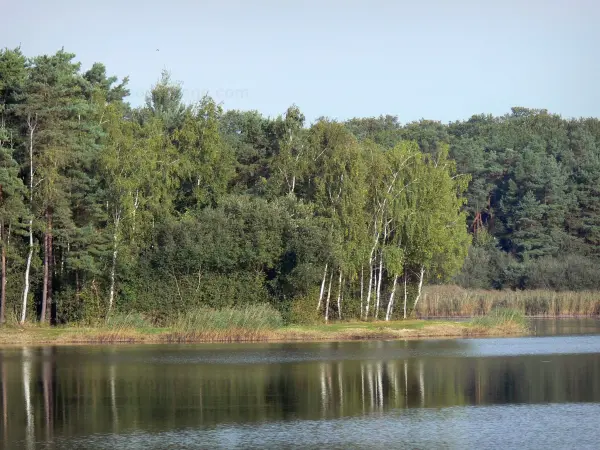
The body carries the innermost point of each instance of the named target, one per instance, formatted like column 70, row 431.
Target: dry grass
column 454, row 301
column 345, row 331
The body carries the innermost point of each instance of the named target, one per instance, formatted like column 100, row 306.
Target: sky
column 432, row 59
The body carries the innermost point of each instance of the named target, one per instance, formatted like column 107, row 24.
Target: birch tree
column 204, row 162
column 128, row 160
column 291, row 162
column 435, row 230
column 339, row 193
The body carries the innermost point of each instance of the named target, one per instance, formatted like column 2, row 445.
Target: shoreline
column 533, row 316
column 350, row 331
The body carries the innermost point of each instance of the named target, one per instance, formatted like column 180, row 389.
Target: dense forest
column 168, row 206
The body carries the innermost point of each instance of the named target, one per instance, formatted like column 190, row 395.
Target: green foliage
column 302, row 310
column 169, row 207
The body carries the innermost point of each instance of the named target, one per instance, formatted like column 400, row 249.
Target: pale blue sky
column 433, row 59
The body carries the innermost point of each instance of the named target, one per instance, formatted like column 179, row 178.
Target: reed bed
column 250, row 323
column 454, row 301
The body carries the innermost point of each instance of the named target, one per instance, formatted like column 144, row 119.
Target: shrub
column 303, row 310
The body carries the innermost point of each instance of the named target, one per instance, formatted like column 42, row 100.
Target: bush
column 87, row 308
column 166, row 298
column 303, row 310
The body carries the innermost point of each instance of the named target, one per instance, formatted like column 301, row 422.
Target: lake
column 537, row 392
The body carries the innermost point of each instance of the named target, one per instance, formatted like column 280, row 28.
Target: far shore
column 336, row 331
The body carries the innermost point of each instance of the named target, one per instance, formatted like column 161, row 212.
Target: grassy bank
column 254, row 324
column 454, row 301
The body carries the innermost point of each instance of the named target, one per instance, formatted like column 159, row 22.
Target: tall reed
column 454, row 301
column 252, row 322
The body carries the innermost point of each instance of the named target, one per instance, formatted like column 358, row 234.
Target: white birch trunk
column 322, row 288
column 405, row 295
column 27, row 271
column 136, row 203
column 391, row 302
column 113, row 269
column 369, row 290
column 339, row 299
column 328, row 297
column 362, row 284
column 379, row 285
column 31, row 126
column 421, row 275
column 385, row 232
column 371, row 272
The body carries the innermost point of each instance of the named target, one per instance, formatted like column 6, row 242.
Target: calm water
column 534, row 392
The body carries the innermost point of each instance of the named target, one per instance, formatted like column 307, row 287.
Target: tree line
column 533, row 203
column 169, row 206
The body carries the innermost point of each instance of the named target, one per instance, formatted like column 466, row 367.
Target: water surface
column 531, row 392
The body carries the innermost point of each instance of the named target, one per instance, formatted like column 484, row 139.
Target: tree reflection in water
column 66, row 391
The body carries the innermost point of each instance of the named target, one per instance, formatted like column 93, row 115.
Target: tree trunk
column 136, row 203
column 27, row 271
column 341, row 303
column 369, row 290
column 50, row 270
column 405, row 294
column 419, row 290
column 379, row 285
column 391, row 302
column 371, row 272
column 362, row 283
column 31, row 126
column 45, row 283
column 339, row 299
column 113, row 272
column 328, row 297
column 113, row 269
column 48, row 264
column 322, row 288
column 3, row 284
column 77, row 286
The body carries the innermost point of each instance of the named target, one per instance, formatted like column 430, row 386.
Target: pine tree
column 52, row 111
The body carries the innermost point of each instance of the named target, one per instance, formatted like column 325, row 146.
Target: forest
column 167, row 207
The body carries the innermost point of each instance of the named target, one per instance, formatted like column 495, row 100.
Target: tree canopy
column 168, row 206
